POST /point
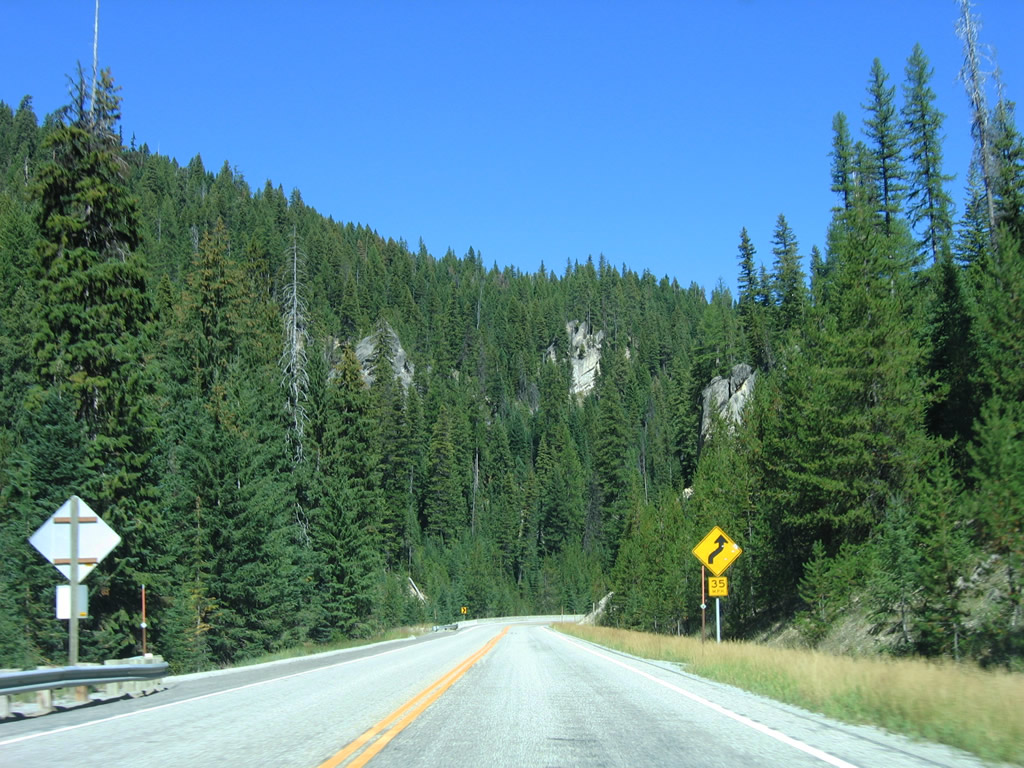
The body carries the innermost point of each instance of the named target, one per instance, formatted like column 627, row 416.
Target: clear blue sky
column 551, row 131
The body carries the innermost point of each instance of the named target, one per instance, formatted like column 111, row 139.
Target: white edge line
column 30, row 736
column 777, row 735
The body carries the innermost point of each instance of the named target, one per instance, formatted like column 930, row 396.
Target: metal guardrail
column 69, row 677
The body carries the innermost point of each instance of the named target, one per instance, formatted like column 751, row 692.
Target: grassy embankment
column 961, row 705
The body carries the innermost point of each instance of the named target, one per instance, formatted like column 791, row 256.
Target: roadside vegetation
column 307, row 432
column 962, row 705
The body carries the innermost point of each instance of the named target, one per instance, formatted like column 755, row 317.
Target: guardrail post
column 5, row 701
column 44, row 701
column 82, row 691
column 132, row 686
column 113, row 689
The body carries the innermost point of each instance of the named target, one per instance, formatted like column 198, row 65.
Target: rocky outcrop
column 727, row 398
column 383, row 344
column 585, row 355
column 599, row 608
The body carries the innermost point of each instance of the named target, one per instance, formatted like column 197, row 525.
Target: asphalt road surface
column 487, row 695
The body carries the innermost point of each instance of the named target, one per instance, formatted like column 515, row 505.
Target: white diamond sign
column 95, row 539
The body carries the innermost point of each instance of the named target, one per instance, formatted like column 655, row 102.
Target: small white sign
column 64, row 601
column 95, row 539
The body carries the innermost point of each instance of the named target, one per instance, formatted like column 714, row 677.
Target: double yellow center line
column 378, row 737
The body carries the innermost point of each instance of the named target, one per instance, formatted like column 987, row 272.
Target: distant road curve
column 489, row 694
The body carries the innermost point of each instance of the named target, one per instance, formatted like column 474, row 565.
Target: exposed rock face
column 368, row 353
column 585, row 352
column 599, row 608
column 727, row 397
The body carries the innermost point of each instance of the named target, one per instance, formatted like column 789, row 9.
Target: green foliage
column 929, row 207
column 817, row 591
column 881, row 446
column 883, row 129
column 789, row 283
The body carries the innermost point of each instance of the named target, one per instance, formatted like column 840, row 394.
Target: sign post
column 75, row 539
column 716, row 552
column 703, row 605
column 143, row 624
column 73, row 578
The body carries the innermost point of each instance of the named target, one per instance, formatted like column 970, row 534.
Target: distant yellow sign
column 718, row 586
column 464, row 610
column 717, row 551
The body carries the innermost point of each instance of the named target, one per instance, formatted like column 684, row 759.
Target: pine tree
column 848, row 428
column 92, row 324
column 1008, row 160
column 719, row 343
column 942, row 576
column 952, row 362
column 929, row 207
column 883, row 128
column 444, row 505
column 560, row 483
column 613, row 463
column 972, row 244
column 843, row 175
column 345, row 523
column 789, row 286
column 753, row 312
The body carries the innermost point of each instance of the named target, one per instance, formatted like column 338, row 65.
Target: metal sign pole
column 143, row 619
column 703, row 605
column 73, row 621
column 718, row 618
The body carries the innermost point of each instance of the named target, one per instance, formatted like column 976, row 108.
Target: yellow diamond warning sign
column 717, row 551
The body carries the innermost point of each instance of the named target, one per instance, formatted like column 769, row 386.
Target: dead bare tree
column 293, row 358
column 974, row 81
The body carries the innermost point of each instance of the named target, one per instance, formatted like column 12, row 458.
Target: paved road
column 525, row 696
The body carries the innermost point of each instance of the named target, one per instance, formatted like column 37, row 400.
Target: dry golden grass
column 956, row 704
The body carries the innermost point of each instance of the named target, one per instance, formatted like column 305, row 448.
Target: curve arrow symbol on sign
column 721, row 541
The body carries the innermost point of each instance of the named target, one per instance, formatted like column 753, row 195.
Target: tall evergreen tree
column 444, row 506
column 883, row 129
column 842, row 154
column 1008, row 160
column 752, row 310
column 789, row 282
column 953, row 362
column 92, row 325
column 345, row 526
column 929, row 207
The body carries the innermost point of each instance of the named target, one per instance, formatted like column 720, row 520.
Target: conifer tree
column 345, row 523
column 1008, row 159
column 444, row 506
column 789, row 287
column 843, row 174
column 613, row 465
column 92, row 324
column 719, row 343
column 883, row 129
column 929, row 207
column 560, row 485
column 941, row 572
column 972, row 243
column 953, row 361
column 753, row 313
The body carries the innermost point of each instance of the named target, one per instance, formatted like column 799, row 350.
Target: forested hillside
column 180, row 350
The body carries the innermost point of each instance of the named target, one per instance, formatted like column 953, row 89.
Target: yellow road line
column 411, row 710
